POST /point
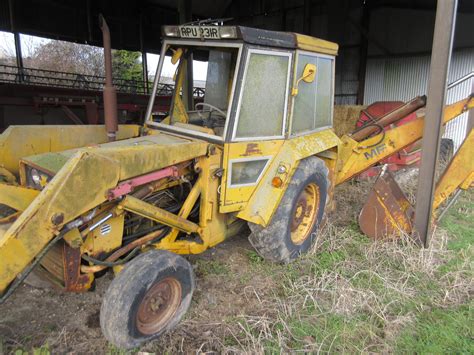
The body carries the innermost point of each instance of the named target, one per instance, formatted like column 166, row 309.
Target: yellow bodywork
column 355, row 157
column 257, row 203
column 458, row 174
column 81, row 185
column 21, row 141
column 318, row 45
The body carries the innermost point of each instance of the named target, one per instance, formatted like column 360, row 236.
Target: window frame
column 188, row 132
column 295, row 67
column 268, row 159
column 248, row 53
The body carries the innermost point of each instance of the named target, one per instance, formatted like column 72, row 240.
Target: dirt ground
column 69, row 322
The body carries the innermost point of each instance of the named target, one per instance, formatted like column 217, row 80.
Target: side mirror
column 177, row 53
column 308, row 76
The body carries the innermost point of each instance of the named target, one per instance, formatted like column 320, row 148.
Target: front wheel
column 292, row 230
column 148, row 297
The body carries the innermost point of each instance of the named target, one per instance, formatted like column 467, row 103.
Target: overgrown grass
column 354, row 295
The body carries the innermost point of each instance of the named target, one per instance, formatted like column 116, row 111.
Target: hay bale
column 345, row 118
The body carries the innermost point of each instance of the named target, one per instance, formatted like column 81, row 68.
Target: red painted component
column 127, row 186
column 409, row 156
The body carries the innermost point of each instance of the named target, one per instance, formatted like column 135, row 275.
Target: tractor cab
column 259, row 85
column 263, row 90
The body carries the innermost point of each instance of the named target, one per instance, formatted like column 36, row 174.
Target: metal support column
column 144, row 60
column 185, row 16
column 16, row 36
column 363, row 49
column 439, row 68
column 19, row 57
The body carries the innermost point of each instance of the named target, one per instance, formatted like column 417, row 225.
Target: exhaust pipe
column 110, row 94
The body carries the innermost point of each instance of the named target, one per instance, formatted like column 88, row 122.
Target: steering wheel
column 212, row 108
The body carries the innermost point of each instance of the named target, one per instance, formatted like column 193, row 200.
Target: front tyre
column 293, row 227
column 148, row 297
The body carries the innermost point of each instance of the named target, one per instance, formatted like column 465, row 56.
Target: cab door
column 259, row 127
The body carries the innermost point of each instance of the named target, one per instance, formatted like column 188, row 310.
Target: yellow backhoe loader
column 258, row 149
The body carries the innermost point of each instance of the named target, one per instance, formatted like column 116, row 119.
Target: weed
column 211, row 267
column 254, row 258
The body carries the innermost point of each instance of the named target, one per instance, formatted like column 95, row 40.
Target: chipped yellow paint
column 213, row 226
column 98, row 242
column 234, row 198
column 355, row 157
column 21, row 141
column 265, row 199
column 17, row 197
column 458, row 174
column 82, row 184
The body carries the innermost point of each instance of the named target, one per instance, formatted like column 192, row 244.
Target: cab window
column 312, row 106
column 262, row 106
column 206, row 111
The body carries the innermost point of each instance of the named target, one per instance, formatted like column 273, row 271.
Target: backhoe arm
column 458, row 174
column 355, row 157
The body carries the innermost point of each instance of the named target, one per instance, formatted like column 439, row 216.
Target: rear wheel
column 148, row 297
column 292, row 230
column 446, row 149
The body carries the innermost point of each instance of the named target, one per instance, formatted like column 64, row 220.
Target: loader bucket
column 387, row 212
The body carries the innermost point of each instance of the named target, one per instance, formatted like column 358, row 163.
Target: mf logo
column 375, row 151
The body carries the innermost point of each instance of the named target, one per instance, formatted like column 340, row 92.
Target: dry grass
column 357, row 301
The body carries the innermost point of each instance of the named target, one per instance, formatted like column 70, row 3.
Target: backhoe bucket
column 387, row 212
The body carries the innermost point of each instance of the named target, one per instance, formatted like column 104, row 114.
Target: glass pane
column 312, row 105
column 217, row 81
column 305, row 101
column 263, row 98
column 324, row 95
column 247, row 172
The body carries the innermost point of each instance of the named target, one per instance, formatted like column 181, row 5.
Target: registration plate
column 209, row 32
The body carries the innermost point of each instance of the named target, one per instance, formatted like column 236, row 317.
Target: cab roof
column 287, row 40
column 290, row 40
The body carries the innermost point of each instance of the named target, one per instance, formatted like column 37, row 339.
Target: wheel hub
column 305, row 213
column 158, row 306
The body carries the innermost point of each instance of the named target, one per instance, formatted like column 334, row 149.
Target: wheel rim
column 158, row 306
column 305, row 214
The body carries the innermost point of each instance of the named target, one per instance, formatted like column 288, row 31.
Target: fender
column 264, row 202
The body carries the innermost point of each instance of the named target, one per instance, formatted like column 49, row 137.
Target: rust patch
column 387, row 212
column 252, row 149
column 74, row 281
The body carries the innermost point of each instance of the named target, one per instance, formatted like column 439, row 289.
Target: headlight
column 35, row 178
column 171, row 31
column 228, row 32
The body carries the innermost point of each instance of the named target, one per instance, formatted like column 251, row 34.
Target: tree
column 67, row 57
column 126, row 65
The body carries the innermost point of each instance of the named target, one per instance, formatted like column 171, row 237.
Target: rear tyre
column 446, row 149
column 148, row 297
column 292, row 230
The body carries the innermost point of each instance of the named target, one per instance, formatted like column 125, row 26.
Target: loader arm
column 82, row 184
column 355, row 157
